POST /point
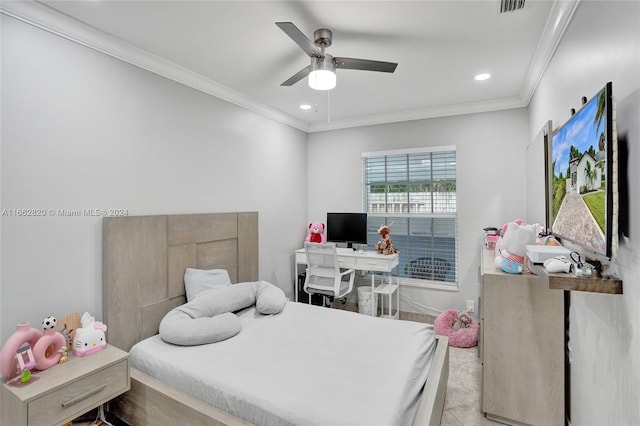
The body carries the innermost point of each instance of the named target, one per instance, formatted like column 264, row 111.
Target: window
column 414, row 191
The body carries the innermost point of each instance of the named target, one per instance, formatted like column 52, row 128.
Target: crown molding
column 48, row 19
column 421, row 114
column 45, row 18
column 557, row 23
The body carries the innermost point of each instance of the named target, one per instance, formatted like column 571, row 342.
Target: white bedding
column 305, row 366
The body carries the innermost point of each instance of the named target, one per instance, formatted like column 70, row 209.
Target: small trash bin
column 365, row 299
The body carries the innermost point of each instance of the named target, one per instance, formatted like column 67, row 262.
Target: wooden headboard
column 144, row 259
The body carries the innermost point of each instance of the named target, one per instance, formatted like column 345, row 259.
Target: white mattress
column 306, row 366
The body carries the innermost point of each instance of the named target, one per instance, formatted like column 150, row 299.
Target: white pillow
column 210, row 318
column 269, row 298
column 199, row 281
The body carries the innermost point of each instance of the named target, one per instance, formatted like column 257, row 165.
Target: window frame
column 416, row 282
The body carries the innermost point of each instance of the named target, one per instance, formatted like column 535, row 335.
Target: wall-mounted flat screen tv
column 582, row 183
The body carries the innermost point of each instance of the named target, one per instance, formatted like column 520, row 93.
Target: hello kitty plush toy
column 510, row 249
column 89, row 338
column 316, row 233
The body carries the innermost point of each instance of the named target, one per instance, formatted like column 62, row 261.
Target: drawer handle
column 85, row 395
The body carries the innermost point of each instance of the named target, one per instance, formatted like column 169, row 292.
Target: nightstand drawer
column 79, row 396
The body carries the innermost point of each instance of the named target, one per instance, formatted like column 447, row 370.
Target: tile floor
column 462, row 403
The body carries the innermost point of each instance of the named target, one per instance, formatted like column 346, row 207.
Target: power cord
column 101, row 418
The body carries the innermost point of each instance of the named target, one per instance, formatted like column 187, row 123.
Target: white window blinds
column 414, row 191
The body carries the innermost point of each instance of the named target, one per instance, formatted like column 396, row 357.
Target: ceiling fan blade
column 297, row 76
column 300, row 39
column 365, row 65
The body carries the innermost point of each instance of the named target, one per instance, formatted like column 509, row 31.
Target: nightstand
column 66, row 391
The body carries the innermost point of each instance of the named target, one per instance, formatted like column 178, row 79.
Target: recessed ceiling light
column 483, row 76
column 305, row 106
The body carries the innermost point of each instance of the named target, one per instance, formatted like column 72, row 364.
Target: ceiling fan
column 322, row 70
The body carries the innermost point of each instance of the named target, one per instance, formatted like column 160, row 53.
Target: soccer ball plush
column 49, row 323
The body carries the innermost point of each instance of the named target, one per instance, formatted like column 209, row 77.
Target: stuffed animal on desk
column 385, row 245
column 316, row 233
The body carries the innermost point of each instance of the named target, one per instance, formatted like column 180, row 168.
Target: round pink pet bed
column 463, row 338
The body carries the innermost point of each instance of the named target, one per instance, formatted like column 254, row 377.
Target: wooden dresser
column 522, row 326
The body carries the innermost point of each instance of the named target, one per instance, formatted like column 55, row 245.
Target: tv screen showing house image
column 580, row 180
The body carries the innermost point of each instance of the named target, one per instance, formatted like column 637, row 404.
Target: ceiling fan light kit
column 323, row 73
column 322, row 70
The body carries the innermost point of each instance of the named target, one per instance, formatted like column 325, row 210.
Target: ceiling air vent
column 510, row 5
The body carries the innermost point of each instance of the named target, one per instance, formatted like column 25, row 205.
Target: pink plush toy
column 316, row 233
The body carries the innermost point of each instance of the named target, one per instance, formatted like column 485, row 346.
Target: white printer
column 539, row 253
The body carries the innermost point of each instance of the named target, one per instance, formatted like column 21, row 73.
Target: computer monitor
column 349, row 228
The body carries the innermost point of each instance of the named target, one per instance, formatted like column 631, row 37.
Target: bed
column 144, row 262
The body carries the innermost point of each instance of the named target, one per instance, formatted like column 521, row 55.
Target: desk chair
column 323, row 272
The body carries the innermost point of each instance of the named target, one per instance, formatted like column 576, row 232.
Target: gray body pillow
column 210, row 318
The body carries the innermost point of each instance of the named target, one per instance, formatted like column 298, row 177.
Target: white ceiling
column 234, row 50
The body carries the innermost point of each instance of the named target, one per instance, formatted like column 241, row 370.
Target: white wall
column 490, row 183
column 83, row 130
column 602, row 44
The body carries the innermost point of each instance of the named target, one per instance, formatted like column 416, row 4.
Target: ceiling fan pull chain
column 328, row 106
column 315, row 95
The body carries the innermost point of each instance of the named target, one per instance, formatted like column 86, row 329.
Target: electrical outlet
column 470, row 306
